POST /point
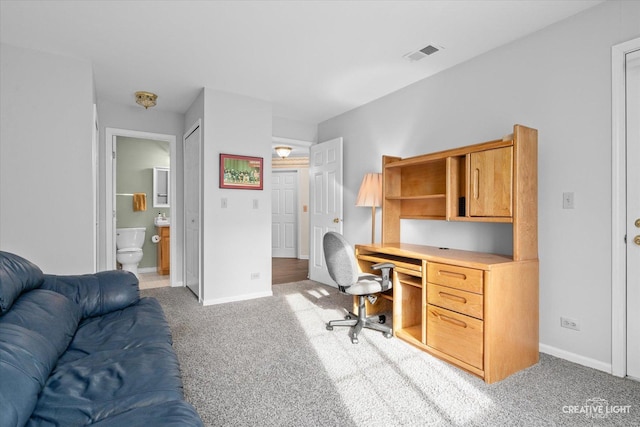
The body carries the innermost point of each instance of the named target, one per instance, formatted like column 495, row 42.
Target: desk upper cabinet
column 494, row 181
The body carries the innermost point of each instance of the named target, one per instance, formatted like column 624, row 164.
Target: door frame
column 618, row 208
column 109, row 194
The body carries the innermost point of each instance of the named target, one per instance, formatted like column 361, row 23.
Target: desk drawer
column 456, row 300
column 455, row 334
column 467, row 279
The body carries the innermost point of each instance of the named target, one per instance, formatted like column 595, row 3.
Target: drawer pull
column 452, row 274
column 452, row 297
column 448, row 319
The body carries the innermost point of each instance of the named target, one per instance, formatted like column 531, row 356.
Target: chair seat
column 367, row 284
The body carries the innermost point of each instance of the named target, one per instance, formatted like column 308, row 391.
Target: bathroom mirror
column 160, row 187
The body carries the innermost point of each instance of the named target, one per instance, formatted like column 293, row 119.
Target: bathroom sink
column 161, row 222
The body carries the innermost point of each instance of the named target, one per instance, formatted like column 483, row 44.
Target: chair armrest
column 386, row 268
column 382, row 265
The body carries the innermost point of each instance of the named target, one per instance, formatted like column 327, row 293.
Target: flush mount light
column 283, row 151
column 146, row 99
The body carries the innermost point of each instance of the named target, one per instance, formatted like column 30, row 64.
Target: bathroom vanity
column 163, row 249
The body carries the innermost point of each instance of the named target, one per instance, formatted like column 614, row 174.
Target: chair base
column 362, row 321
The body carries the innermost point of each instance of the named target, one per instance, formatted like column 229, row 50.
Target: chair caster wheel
column 382, row 318
column 347, row 317
column 354, row 340
column 329, row 327
column 388, row 335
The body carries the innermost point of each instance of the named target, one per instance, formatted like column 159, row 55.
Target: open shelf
column 410, row 280
column 410, row 333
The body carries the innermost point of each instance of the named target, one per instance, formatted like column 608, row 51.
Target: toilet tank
column 130, row 237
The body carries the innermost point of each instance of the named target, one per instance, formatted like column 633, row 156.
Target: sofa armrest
column 98, row 293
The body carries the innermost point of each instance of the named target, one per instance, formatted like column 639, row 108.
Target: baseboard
column 147, row 270
column 575, row 358
column 237, row 298
column 303, row 257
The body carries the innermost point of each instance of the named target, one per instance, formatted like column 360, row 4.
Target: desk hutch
column 476, row 310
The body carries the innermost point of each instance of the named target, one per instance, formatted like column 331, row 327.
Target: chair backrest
column 341, row 259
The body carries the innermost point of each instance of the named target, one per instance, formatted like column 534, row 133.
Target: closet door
column 192, row 182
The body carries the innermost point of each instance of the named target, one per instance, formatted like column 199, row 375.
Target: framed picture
column 241, row 172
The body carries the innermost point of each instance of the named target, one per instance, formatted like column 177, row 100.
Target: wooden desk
column 475, row 310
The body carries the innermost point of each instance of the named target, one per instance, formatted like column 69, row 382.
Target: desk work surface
column 470, row 259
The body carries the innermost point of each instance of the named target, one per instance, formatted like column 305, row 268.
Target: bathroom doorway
column 139, row 151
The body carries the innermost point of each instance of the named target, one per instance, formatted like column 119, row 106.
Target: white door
column 192, row 145
column 633, row 212
column 284, row 224
column 325, row 202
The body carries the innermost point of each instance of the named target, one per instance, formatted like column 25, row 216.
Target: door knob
column 336, row 220
column 637, row 222
column 636, row 240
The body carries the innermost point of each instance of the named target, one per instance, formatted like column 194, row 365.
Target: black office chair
column 343, row 269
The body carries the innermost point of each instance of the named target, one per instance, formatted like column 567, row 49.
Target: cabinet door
column 491, row 183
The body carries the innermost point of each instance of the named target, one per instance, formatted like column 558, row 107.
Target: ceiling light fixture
column 283, row 151
column 146, row 99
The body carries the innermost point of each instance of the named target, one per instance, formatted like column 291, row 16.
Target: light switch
column 567, row 200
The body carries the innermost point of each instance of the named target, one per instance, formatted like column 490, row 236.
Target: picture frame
column 241, row 172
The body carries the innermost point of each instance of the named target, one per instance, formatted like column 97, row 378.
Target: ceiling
column 312, row 60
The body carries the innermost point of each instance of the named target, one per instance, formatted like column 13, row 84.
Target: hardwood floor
column 286, row 270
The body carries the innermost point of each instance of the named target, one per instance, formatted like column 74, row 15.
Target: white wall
column 558, row 81
column 236, row 239
column 46, row 187
column 295, row 129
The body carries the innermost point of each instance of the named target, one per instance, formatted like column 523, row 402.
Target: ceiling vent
column 422, row 53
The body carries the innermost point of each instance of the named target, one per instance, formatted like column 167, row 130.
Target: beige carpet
column 271, row 362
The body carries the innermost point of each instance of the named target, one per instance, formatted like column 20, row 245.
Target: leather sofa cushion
column 33, row 334
column 171, row 414
column 17, row 275
column 134, row 326
column 98, row 293
column 108, row 383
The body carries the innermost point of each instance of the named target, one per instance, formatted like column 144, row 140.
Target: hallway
column 286, row 270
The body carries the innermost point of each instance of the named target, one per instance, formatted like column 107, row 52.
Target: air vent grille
column 429, row 50
column 422, row 53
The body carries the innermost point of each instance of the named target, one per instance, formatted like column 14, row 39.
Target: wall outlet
column 255, row 276
column 565, row 322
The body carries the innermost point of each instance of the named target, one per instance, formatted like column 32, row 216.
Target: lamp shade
column 370, row 193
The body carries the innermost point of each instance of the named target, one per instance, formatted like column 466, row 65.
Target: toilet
column 129, row 243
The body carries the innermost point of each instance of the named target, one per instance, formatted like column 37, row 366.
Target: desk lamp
column 370, row 194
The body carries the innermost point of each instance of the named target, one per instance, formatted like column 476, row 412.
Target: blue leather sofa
column 80, row 350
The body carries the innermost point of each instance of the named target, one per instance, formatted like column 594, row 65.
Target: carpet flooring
column 271, row 362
